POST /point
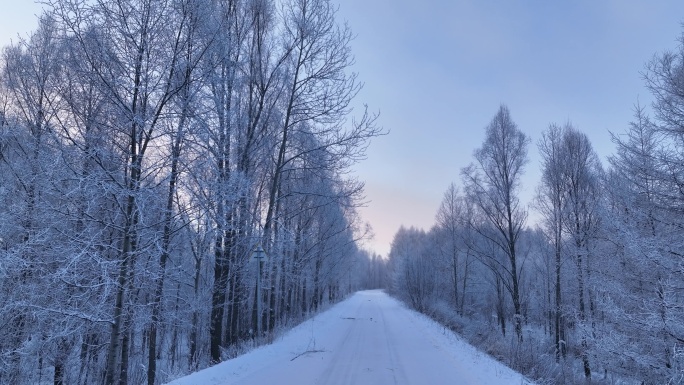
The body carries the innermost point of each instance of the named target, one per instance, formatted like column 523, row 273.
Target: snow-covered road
column 369, row 338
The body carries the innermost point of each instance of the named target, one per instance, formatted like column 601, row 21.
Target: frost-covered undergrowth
column 534, row 357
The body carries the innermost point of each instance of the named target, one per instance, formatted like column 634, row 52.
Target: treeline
column 594, row 290
column 147, row 149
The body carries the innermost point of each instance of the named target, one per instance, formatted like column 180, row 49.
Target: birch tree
column 551, row 201
column 492, row 183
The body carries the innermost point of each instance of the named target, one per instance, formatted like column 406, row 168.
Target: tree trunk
column 582, row 316
column 165, row 246
column 59, row 374
column 305, row 301
column 454, row 262
column 218, row 301
column 233, row 311
column 500, row 310
column 114, row 350
column 558, row 319
column 465, row 283
column 517, row 317
column 193, row 356
column 316, row 284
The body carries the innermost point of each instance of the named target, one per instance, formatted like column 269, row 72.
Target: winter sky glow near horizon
column 437, row 71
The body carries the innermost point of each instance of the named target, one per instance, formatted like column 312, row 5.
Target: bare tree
column 551, row 198
column 318, row 93
column 141, row 43
column 492, row 184
column 581, row 178
column 451, row 222
column 183, row 106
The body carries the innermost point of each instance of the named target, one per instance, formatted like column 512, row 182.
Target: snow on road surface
column 370, row 339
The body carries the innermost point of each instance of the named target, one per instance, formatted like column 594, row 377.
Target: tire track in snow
column 398, row 375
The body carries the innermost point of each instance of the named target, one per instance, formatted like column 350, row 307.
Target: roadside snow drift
column 369, row 338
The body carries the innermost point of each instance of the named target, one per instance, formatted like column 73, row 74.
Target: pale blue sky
column 438, row 69
column 17, row 17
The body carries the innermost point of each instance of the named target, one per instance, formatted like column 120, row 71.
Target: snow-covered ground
column 369, row 338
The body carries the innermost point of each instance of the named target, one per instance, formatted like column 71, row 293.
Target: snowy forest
column 592, row 290
column 148, row 149
column 176, row 187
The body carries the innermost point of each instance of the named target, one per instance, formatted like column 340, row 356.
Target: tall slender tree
column 451, row 218
column 492, row 183
column 581, row 177
column 551, row 201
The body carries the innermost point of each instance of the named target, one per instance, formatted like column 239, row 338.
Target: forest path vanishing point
column 370, row 338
